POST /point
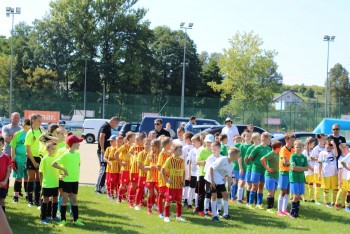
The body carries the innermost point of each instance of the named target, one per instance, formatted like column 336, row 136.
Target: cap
column 112, row 138
column 73, row 139
column 228, row 119
column 62, row 122
column 209, row 138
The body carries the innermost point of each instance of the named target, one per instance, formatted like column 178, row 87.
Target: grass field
column 102, row 215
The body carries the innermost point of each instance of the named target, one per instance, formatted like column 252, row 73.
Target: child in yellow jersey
column 112, row 169
column 49, row 179
column 309, row 174
column 123, row 157
column 152, row 173
column 134, row 169
column 142, row 173
column 175, row 180
column 163, row 156
column 69, row 163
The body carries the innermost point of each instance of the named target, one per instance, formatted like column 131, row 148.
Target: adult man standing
column 189, row 125
column 9, row 130
column 231, row 131
column 336, row 137
column 158, row 128
column 103, row 135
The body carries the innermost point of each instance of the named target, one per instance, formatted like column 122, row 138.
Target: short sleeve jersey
column 192, row 158
column 247, row 153
column 299, row 161
column 285, row 153
column 272, row 161
column 315, row 154
column 50, row 174
column 185, row 155
column 310, row 162
column 109, row 154
column 5, row 162
column 176, row 169
column 223, row 150
column 10, row 131
column 346, row 160
column 221, row 168
column 71, row 162
column 243, row 148
column 124, row 156
column 152, row 174
column 329, row 163
column 208, row 164
column 257, row 153
column 32, row 140
column 162, row 157
column 17, row 143
column 341, row 168
column 141, row 158
column 203, row 156
column 135, row 150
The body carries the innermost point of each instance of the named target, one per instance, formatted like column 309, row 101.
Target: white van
column 91, row 128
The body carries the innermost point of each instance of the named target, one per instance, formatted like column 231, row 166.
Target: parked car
column 298, row 135
column 133, row 127
column 218, row 128
column 91, row 128
column 147, row 123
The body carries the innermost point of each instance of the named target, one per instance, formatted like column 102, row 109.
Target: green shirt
column 202, row 156
column 32, row 140
column 299, row 161
column 17, row 143
column 235, row 164
column 258, row 152
column 243, row 148
column 272, row 161
column 247, row 153
column 223, row 150
column 50, row 174
column 71, row 162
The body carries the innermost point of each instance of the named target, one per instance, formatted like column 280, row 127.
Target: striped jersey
column 109, row 154
column 163, row 156
column 152, row 174
column 141, row 157
column 176, row 168
column 124, row 156
column 135, row 150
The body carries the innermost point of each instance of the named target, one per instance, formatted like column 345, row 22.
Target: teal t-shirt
column 17, row 143
column 257, row 153
column 272, row 161
column 71, row 162
column 300, row 161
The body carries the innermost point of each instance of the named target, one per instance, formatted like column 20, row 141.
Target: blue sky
column 293, row 28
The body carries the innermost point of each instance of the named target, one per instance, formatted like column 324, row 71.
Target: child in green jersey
column 298, row 165
column 271, row 163
column 69, row 163
column 247, row 136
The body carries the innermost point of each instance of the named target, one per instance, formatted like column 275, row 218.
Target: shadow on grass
column 313, row 212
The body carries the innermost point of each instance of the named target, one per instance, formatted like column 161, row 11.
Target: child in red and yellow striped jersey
column 112, row 169
column 141, row 158
column 152, row 173
column 175, row 166
column 163, row 156
column 134, row 170
column 123, row 158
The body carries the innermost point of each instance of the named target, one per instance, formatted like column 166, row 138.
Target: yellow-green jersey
column 32, row 140
column 71, row 162
column 50, row 177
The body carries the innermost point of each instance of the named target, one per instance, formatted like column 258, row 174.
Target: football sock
column 178, row 209
column 214, row 208
column 280, row 202
column 285, row 202
column 63, row 213
column 225, row 207
column 260, row 199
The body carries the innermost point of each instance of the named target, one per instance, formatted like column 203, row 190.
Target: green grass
column 102, row 215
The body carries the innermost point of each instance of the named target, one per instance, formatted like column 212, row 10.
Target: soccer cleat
column 78, row 223
column 260, row 207
column 161, row 216
column 63, row 223
column 98, row 192
column 347, row 209
column 137, row 207
column 240, row 202
column 200, row 213
column 189, row 207
column 44, row 221
column 244, row 200
column 215, row 219
column 286, row 212
column 337, row 206
column 180, row 219
column 251, row 206
column 119, row 201
column 329, row 205
column 56, row 219
column 166, row 219
column 232, row 200
column 15, row 200
column 206, row 215
column 149, row 212
column 280, row 213
column 30, row 204
column 227, row 217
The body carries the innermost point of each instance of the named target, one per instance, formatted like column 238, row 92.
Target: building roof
column 286, row 92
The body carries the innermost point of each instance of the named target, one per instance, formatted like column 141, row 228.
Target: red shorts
column 163, row 189
column 134, row 177
column 142, row 181
column 174, row 195
column 151, row 185
column 114, row 178
column 124, row 177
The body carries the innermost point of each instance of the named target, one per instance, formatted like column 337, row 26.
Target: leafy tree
column 310, row 93
column 210, row 73
column 302, row 89
column 250, row 75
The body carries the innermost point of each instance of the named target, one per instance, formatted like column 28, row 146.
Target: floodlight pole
column 182, row 25
column 327, row 93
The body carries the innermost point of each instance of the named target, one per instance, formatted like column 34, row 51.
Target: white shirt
column 310, row 162
column 210, row 160
column 329, row 163
column 230, row 132
column 314, row 154
column 346, row 160
column 192, row 157
column 344, row 172
column 185, row 151
column 179, row 142
column 221, row 168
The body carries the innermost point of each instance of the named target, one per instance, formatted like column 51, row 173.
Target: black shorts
column 30, row 165
column 193, row 181
column 3, row 193
column 187, row 183
column 70, row 187
column 50, row 192
column 60, row 184
column 218, row 189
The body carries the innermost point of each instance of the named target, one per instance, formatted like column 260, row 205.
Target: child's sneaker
column 347, row 209
column 233, row 200
column 329, row 205
column 137, row 207
column 215, row 219
column 260, row 207
column 15, row 200
column 286, row 212
column 161, row 216
column 206, row 215
column 239, row 201
column 166, row 219
column 44, row 221
column 63, row 223
column 251, row 206
column 180, row 219
column 337, row 206
column 56, row 219
column 78, row 223
column 227, row 217
column 280, row 213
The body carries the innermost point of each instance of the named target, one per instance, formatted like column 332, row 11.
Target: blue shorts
column 242, row 177
column 271, row 183
column 297, row 188
column 257, row 177
column 283, row 181
column 236, row 174
column 248, row 176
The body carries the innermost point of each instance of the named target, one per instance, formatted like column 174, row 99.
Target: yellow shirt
column 176, row 168
column 152, row 175
column 163, row 156
column 124, row 156
column 109, row 154
column 135, row 150
column 141, row 158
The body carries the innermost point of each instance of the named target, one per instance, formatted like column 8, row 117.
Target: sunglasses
column 157, row 124
column 335, row 129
